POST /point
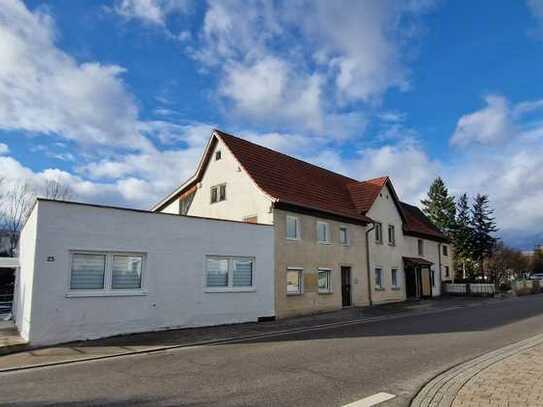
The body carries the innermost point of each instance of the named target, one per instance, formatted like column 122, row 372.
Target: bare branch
column 58, row 191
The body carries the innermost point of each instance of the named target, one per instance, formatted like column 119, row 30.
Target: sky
column 117, row 99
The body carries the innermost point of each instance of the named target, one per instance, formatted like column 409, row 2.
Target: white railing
column 470, row 289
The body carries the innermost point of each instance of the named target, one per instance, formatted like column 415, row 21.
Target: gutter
column 368, row 265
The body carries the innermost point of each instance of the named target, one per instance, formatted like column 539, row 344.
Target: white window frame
column 396, row 286
column 230, row 287
column 391, row 242
column 378, row 236
column 298, row 231
column 300, row 271
column 327, row 232
column 347, row 235
column 382, row 285
column 218, row 155
column 218, row 188
column 330, row 287
column 107, row 290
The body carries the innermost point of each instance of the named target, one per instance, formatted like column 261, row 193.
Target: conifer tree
column 483, row 226
column 463, row 235
column 440, row 207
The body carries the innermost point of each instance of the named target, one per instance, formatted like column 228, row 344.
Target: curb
column 441, row 391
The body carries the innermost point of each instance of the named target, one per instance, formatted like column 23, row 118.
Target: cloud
column 4, row 149
column 152, row 12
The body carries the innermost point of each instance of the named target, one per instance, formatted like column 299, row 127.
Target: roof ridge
column 222, row 133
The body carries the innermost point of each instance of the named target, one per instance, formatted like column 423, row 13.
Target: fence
column 471, row 289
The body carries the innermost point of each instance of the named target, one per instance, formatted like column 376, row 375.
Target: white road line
column 377, row 398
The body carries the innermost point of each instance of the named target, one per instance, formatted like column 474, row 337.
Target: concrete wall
column 309, row 254
column 243, row 198
column 24, row 277
column 384, row 255
column 174, row 287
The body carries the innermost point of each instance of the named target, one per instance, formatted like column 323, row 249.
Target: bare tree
column 58, row 191
column 17, row 202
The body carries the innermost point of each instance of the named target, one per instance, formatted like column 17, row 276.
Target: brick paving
column 514, row 381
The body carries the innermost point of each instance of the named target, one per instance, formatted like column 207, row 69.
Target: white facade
column 174, row 292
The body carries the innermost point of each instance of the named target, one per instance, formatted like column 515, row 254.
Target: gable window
column 293, row 228
column 218, row 155
column 294, row 281
column 378, row 278
column 325, row 280
column 445, row 250
column 108, row 272
column 343, row 235
column 323, row 232
column 218, row 193
column 378, row 233
column 391, row 235
column 394, row 278
column 420, row 244
column 224, row 272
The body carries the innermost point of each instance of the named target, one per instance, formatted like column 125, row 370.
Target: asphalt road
column 329, row 367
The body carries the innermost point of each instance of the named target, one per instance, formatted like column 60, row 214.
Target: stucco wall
column 310, row 255
column 174, row 285
column 243, row 198
column 24, row 281
column 384, row 255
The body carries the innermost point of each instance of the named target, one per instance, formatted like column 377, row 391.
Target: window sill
column 294, row 294
column 231, row 290
column 323, row 242
column 379, row 289
column 109, row 293
column 396, row 288
column 292, row 238
column 326, row 292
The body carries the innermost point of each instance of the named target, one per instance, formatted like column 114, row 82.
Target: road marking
column 377, row 398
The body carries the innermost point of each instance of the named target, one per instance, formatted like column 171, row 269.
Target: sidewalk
column 511, row 376
column 163, row 340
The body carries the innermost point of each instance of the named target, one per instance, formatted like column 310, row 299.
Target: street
column 328, row 367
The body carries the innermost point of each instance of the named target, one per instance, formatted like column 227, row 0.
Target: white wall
column 384, row 255
column 431, row 253
column 24, row 276
column 243, row 198
column 174, row 271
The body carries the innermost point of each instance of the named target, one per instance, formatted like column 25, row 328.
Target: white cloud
column 44, row 90
column 536, row 7
column 4, row 149
column 491, row 125
column 151, row 11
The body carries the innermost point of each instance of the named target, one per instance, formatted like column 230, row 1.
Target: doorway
column 418, row 281
column 346, row 300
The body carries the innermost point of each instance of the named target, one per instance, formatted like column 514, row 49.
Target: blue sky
column 117, row 99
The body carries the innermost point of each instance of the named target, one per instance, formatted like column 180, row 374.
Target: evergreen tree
column 463, row 236
column 536, row 265
column 440, row 207
column 483, row 226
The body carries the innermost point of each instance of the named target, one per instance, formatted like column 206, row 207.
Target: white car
column 537, row 276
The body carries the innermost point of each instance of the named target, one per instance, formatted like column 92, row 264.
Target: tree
column 463, row 236
column 506, row 263
column 58, row 191
column 17, row 202
column 483, row 226
column 440, row 207
column 536, row 264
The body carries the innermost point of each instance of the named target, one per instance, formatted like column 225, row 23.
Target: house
column 338, row 241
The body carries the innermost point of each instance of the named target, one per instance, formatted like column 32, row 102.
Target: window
column 378, row 233
column 447, row 271
column 106, row 272
column 420, row 244
column 293, row 228
column 218, row 155
column 343, row 235
column 218, row 193
column 185, row 202
column 325, row 280
column 229, row 272
column 294, row 281
column 379, row 278
column 445, row 250
column 323, row 235
column 394, row 278
column 391, row 235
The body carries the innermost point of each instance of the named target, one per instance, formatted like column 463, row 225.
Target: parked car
column 536, row 276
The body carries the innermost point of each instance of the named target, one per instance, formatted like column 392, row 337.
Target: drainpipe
column 439, row 271
column 368, row 262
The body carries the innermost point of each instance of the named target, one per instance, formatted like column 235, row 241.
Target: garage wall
column 174, row 286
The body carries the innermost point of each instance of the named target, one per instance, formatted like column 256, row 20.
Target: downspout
column 439, row 273
column 368, row 265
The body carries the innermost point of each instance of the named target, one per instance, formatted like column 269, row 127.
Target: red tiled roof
column 295, row 182
column 364, row 193
column 417, row 223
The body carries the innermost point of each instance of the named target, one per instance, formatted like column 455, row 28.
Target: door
column 426, row 282
column 346, row 286
column 411, row 282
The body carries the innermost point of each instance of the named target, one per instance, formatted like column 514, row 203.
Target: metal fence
column 470, row 289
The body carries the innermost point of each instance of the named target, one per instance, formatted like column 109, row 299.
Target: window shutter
column 88, row 271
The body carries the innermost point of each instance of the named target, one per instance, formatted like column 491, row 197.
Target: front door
column 346, row 286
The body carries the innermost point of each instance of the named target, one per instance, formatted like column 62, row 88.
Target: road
column 328, row 367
